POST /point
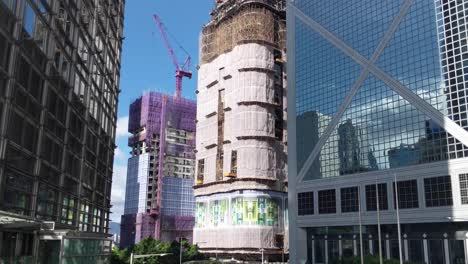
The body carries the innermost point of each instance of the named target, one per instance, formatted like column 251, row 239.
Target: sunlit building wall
column 391, row 78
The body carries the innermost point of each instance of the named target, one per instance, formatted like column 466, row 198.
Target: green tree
column 152, row 246
column 119, row 256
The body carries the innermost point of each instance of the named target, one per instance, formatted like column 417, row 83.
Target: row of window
column 437, row 192
column 53, row 204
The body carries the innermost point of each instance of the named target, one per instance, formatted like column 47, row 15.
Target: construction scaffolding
column 161, row 169
column 146, row 115
column 241, row 131
column 240, row 22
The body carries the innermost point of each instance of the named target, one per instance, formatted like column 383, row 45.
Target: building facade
column 159, row 200
column 59, row 86
column 386, row 173
column 241, row 154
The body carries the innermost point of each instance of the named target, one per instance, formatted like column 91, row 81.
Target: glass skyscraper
column 378, row 129
column 59, row 87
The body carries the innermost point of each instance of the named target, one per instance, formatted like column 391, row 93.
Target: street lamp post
column 398, row 219
column 180, row 250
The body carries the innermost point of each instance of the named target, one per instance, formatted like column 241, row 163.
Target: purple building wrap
column 163, row 143
column 146, row 112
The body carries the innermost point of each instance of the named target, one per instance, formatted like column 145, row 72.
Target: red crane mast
column 181, row 70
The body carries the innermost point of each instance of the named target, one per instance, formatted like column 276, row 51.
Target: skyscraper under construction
column 241, row 133
column 159, row 200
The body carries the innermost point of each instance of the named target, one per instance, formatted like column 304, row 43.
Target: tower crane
column 181, row 70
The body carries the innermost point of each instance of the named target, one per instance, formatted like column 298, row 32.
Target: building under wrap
column 159, row 200
column 241, row 131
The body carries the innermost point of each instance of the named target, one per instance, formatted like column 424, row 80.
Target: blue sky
column 146, row 65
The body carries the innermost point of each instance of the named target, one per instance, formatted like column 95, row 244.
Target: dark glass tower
column 59, row 86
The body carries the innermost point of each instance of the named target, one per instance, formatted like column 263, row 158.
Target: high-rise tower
column 241, row 154
column 388, row 173
column 159, row 199
column 59, row 87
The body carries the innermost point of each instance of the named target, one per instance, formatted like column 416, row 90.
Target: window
column 436, row 255
column 407, row 194
column 56, row 106
column 327, row 202
column 85, row 217
column 46, row 203
column 201, row 171
column 279, row 124
column 4, row 52
column 464, row 188
column 68, row 207
column 234, row 162
column 19, row 160
column 371, row 195
column 97, row 220
column 349, row 199
column 49, row 174
column 438, row 191
column 305, row 203
column 70, row 185
column 73, row 165
column 18, row 193
column 51, row 151
column 22, row 132
column 29, row 20
column 219, row 150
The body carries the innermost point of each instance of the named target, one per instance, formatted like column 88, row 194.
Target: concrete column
column 425, row 246
column 326, row 250
column 387, row 247
column 465, row 242
column 304, row 246
column 371, row 245
column 312, row 249
column 405, row 247
column 446, row 249
column 36, row 247
column 340, row 247
column 355, row 249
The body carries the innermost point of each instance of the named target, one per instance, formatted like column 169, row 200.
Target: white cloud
column 118, row 191
column 122, row 127
column 120, row 155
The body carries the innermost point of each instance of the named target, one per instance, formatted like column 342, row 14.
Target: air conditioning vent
column 48, row 225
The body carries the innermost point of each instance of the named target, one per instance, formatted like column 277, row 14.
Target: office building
column 241, row 147
column 391, row 77
column 159, row 200
column 59, row 86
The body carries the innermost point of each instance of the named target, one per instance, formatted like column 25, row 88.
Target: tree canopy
column 152, row 246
